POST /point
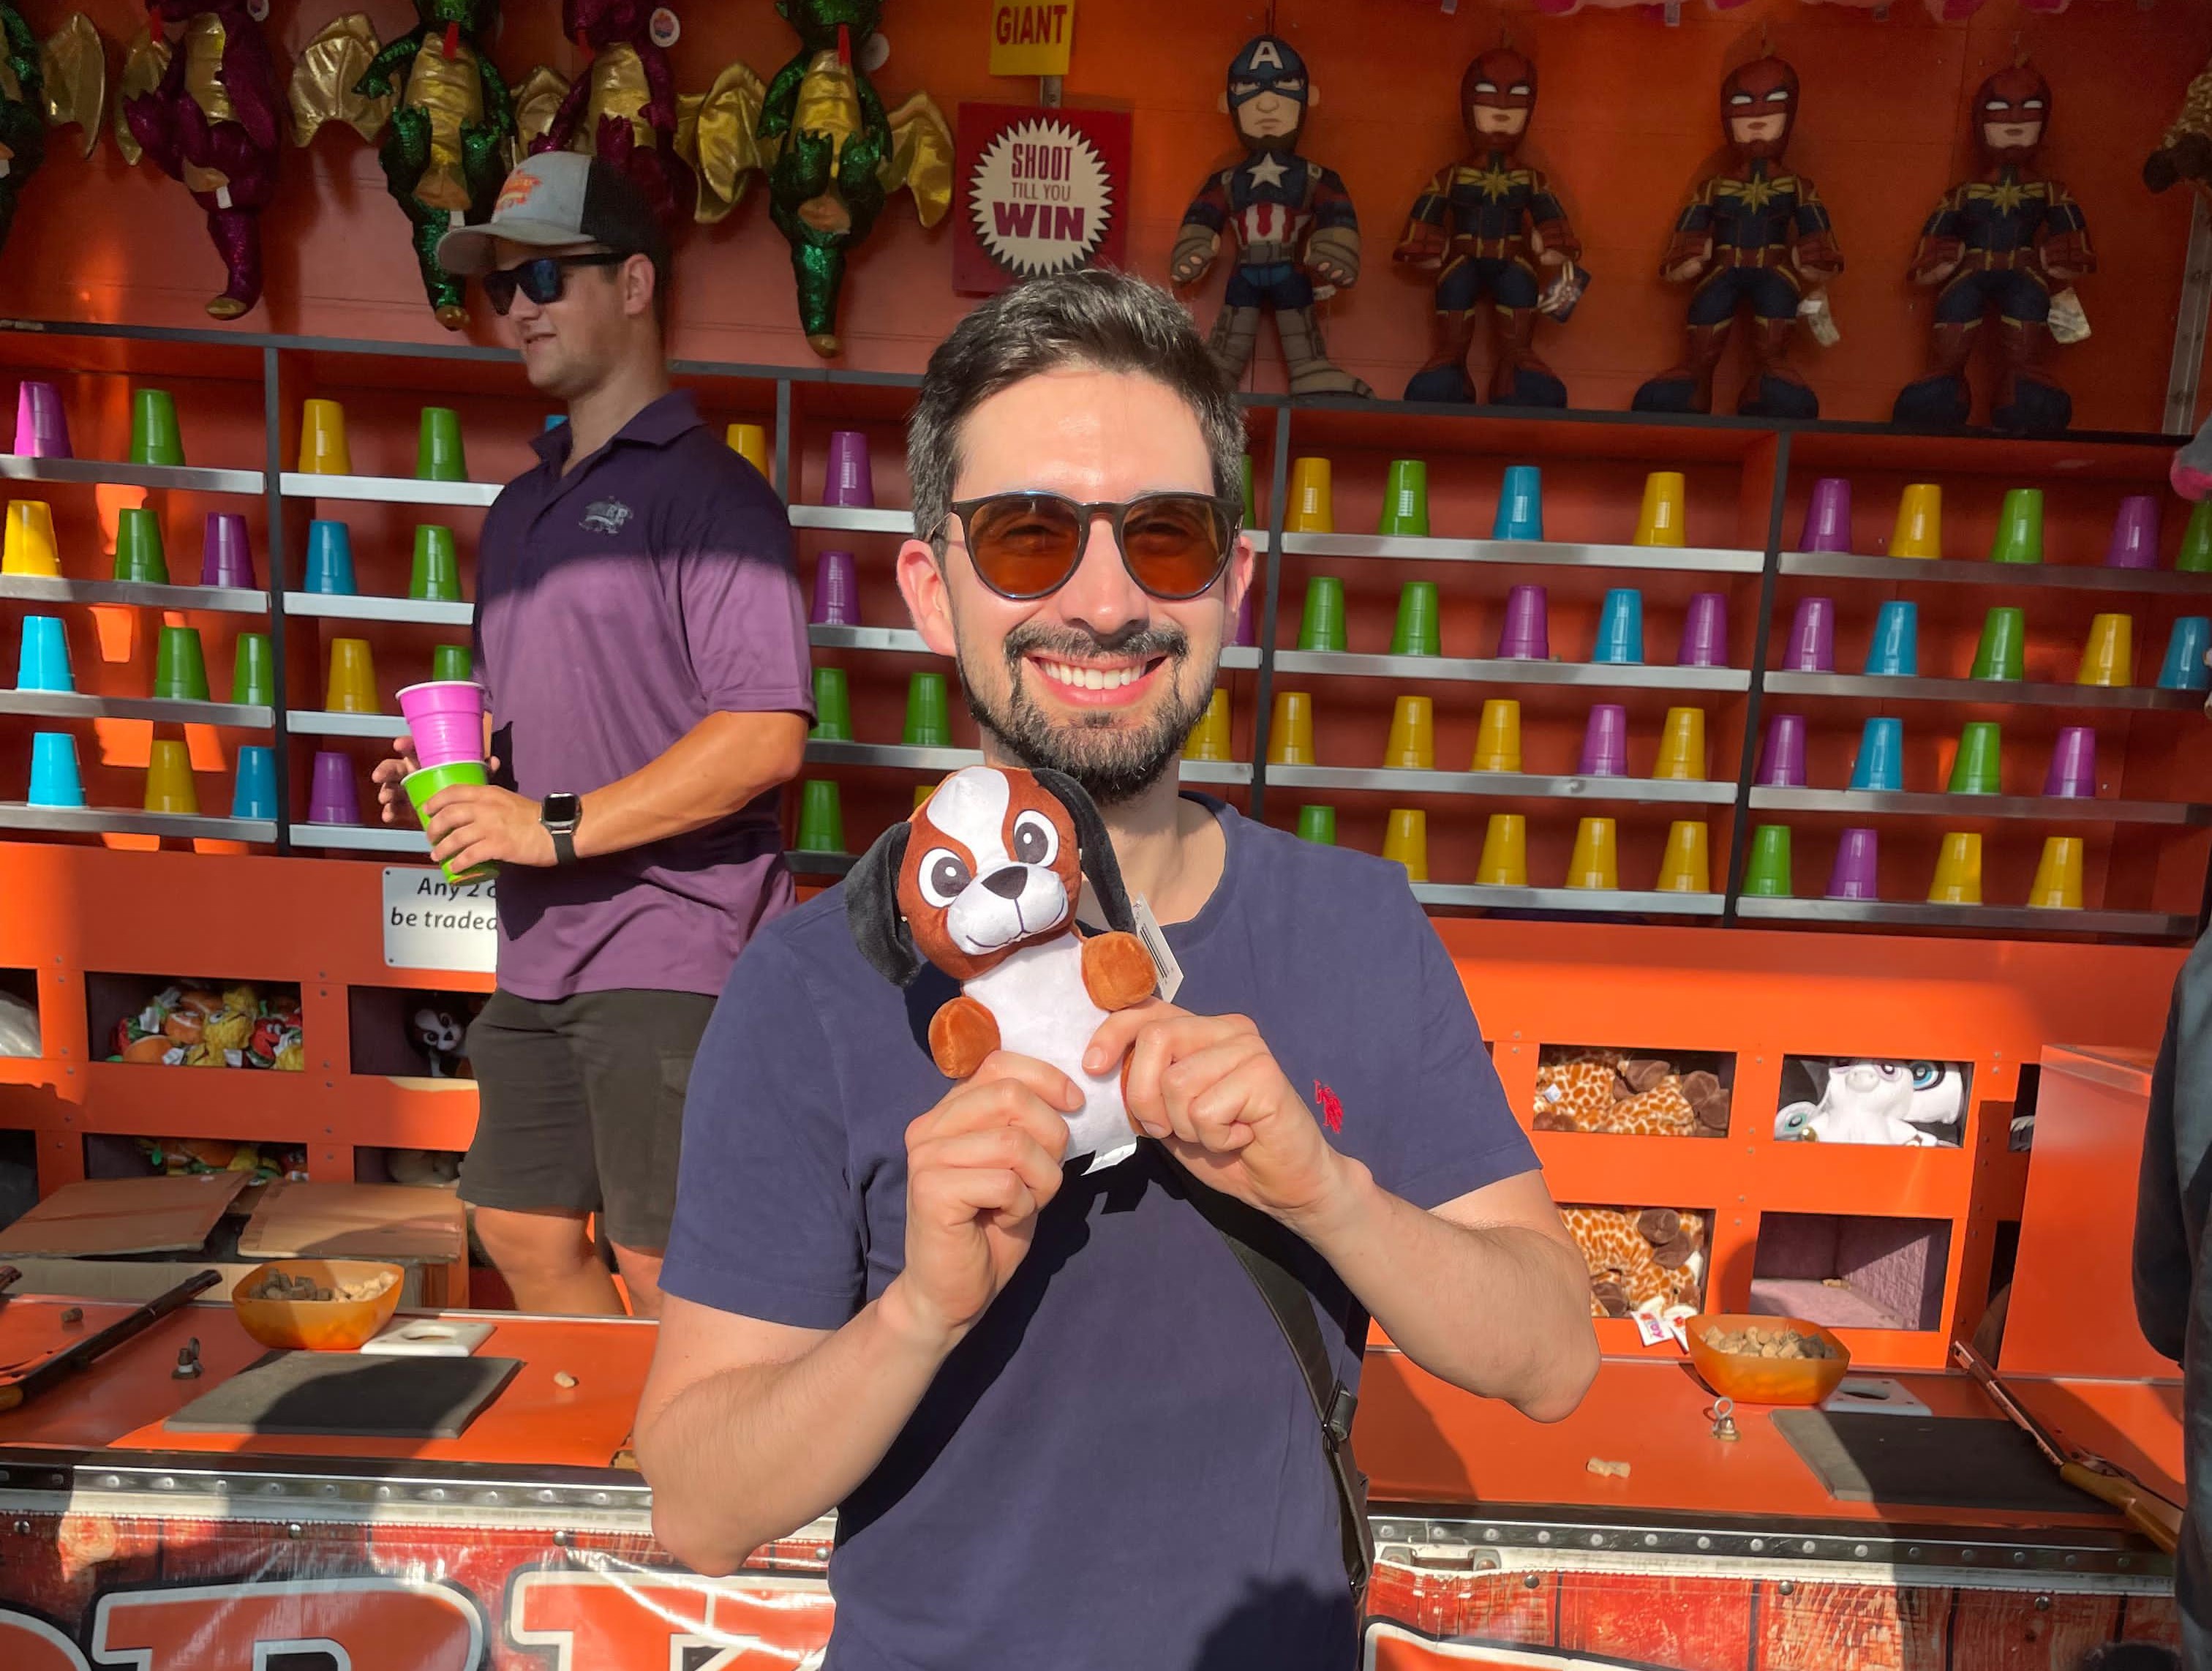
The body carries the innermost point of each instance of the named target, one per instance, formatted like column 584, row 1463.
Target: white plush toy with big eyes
column 1866, row 1102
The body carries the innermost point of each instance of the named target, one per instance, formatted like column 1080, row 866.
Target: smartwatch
column 559, row 814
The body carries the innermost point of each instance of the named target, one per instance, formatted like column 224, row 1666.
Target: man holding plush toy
column 1026, row 1271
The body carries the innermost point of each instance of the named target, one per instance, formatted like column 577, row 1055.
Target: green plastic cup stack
column 155, row 437
column 2002, row 652
column 139, row 554
column 927, row 722
column 1406, row 499
column 2020, row 528
column 1317, row 824
column 1321, row 626
column 422, row 787
column 181, row 666
column 1976, row 772
column 1416, row 634
column 453, row 661
column 438, row 456
column 821, row 818
column 437, row 573
column 2196, row 554
column 833, row 707
column 1766, row 875
column 253, row 672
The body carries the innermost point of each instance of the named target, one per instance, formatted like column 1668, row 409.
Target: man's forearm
column 717, row 767
column 740, row 1458
column 1502, row 1311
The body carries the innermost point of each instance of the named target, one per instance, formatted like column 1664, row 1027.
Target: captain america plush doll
column 1290, row 220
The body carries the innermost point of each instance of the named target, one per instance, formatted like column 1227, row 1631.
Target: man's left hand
column 1210, row 1090
column 474, row 824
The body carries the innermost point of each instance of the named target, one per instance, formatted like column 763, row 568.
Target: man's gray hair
column 1107, row 320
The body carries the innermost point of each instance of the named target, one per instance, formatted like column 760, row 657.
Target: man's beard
column 1113, row 764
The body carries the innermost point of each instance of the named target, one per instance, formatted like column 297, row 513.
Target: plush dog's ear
column 871, row 908
column 1100, row 866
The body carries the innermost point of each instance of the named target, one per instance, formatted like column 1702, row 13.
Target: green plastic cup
column 1249, row 518
column 154, row 438
column 455, row 662
column 437, row 575
column 1416, row 634
column 1322, row 628
column 139, row 554
column 2196, row 554
column 1975, row 772
column 927, row 725
column 180, row 665
column 438, row 456
column 422, row 785
column 1406, row 499
column 254, row 673
column 2001, row 654
column 821, row 819
column 1317, row 824
column 1766, row 876
column 2020, row 528
column 833, row 707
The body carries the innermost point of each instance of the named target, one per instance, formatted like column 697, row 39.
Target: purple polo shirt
column 616, row 607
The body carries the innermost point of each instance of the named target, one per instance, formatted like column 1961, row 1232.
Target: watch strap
column 564, row 843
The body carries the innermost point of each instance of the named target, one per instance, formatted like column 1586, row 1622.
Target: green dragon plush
column 55, row 82
column 451, row 134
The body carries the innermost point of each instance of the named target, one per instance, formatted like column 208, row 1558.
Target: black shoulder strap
column 1333, row 1403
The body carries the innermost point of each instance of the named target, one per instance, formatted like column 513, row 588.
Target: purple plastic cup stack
column 1812, row 637
column 837, row 591
column 1781, row 762
column 332, row 795
column 225, row 557
column 1605, row 742
column 851, row 484
column 1527, row 636
column 445, row 718
column 1828, row 517
column 2073, row 764
column 1704, row 632
column 1854, row 875
column 41, row 431
column 2135, row 534
column 1245, row 635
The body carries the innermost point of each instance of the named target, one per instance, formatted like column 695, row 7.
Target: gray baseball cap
column 559, row 198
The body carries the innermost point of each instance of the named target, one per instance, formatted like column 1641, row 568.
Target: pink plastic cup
column 445, row 718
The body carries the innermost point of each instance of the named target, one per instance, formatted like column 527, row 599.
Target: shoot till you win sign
column 1042, row 190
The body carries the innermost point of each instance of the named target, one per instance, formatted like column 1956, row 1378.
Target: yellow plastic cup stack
column 1596, row 862
column 1209, row 737
column 2057, row 884
column 1290, row 735
column 1686, row 868
column 1660, row 520
column 1312, row 509
column 30, row 548
column 1504, row 861
column 1682, row 745
column 1919, row 531
column 1958, row 871
column 1412, row 743
column 1498, row 741
column 1406, row 841
column 169, row 778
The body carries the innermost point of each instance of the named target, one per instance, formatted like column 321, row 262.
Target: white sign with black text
column 432, row 923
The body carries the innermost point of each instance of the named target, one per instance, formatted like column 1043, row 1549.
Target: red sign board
column 1042, row 190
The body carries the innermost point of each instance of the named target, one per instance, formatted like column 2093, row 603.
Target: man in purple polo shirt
column 641, row 637
column 1058, row 1423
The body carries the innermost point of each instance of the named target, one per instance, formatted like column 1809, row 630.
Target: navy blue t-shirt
column 1120, row 1465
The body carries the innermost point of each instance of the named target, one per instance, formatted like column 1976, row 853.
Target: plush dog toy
column 983, row 883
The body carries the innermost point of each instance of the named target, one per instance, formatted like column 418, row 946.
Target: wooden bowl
column 317, row 1325
column 1765, row 1380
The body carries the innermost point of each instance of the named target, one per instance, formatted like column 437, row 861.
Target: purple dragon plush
column 206, row 109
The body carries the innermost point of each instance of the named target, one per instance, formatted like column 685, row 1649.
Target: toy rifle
column 99, row 1344
column 2146, row 1510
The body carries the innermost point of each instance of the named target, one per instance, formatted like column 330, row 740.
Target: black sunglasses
column 542, row 278
column 1027, row 546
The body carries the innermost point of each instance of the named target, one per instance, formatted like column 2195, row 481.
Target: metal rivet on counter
column 1787, row 1587
column 1533, row 1581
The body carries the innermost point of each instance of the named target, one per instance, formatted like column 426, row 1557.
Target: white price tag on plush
column 432, row 923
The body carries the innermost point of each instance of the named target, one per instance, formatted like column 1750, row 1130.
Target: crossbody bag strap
column 1333, row 1403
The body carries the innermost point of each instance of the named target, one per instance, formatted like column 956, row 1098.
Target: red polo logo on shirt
column 1332, row 1110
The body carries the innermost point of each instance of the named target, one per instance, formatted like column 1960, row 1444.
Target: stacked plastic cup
column 1828, row 517
column 1686, row 866
column 43, row 661
column 1958, row 869
column 253, row 671
column 852, row 481
column 1291, row 732
column 323, row 449
column 453, row 661
column 1978, row 769
column 436, row 576
column 2109, row 657
column 1416, row 631
column 1919, row 531
column 438, row 454
column 749, row 442
column 1856, row 872
column 1661, row 521
column 30, row 548
column 1894, row 652
column 41, row 430
column 1504, row 861
column 253, row 786
column 1498, row 737
column 55, row 779
column 1619, row 628
column 138, row 553
column 2072, row 772
column 2003, row 653
column 2020, row 527
column 333, row 796
column 1605, row 743
column 1312, row 508
column 2195, row 556
column 169, row 786
column 1209, row 739
column 2057, row 884
column 1781, row 762
column 922, row 792
column 1519, row 504
column 1682, row 745
column 1812, row 647
column 2185, row 649
column 1766, row 871
column 1317, row 824
column 1406, row 840
column 1526, row 635
column 1412, row 745
column 181, row 666
column 154, row 435
column 1705, row 631
column 352, row 685
column 2134, row 544
column 445, row 718
column 1880, row 764
column 330, row 558
column 1406, row 499
column 1596, row 861
column 833, row 705
column 1243, row 633
column 226, row 559
column 928, row 719
column 837, row 591
column 821, row 818
column 1321, row 626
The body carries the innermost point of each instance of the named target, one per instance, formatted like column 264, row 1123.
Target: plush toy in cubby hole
column 439, row 1031
column 1649, row 1260
column 1921, row 1104
column 193, row 1025
column 180, row 1156
column 1626, row 1094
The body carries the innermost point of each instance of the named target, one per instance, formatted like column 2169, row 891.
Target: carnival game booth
column 1814, row 806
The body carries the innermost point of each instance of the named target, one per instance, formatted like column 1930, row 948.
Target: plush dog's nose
column 1007, row 883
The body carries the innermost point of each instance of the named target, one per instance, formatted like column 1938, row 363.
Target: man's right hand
column 981, row 1166
column 390, row 794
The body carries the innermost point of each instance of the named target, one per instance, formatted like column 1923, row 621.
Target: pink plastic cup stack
column 445, row 718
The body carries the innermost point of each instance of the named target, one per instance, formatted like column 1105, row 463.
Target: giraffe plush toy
column 1651, row 1262
column 1610, row 1090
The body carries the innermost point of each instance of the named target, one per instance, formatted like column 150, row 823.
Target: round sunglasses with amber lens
column 1027, row 546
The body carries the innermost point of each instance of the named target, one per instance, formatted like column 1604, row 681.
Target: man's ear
column 872, row 910
column 921, row 583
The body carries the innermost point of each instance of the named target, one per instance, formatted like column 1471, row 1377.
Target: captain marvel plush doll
column 1754, row 238
column 1490, row 227
column 1998, row 245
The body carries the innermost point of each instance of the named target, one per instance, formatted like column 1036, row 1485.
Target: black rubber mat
column 1938, row 1462
column 346, row 1395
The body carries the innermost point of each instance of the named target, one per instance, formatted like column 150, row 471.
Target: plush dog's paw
column 961, row 1033
column 1117, row 971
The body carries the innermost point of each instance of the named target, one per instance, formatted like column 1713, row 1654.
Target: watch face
column 561, row 809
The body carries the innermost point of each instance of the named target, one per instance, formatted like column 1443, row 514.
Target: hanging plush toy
column 981, row 884
column 625, row 108
column 2008, row 244
column 1755, row 237
column 1865, row 1102
column 2185, row 150
column 452, row 124
column 1292, row 221
column 1494, row 228
column 205, row 110
column 59, row 81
